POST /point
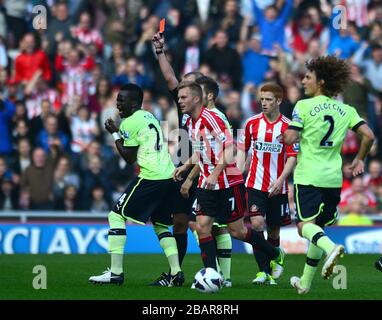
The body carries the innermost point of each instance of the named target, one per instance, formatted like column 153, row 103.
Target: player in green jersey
column 140, row 139
column 320, row 124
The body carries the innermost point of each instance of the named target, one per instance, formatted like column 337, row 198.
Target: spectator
column 23, row 158
column 16, row 12
column 358, row 189
column 64, row 176
column 51, row 138
column 37, row 93
column 7, row 110
column 94, row 176
column 303, row 31
column 344, row 42
column 86, row 34
column 188, row 54
column 357, row 90
column 59, row 27
column 255, row 63
column 84, row 129
column 99, row 203
column 356, row 215
column 32, row 63
column 224, row 60
column 272, row 22
column 379, row 198
column 37, row 181
column 21, row 131
column 132, row 72
column 117, row 59
column 74, row 74
column 373, row 179
column 102, row 96
column 70, row 201
column 9, row 195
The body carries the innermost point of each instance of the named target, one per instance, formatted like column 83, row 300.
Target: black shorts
column 144, row 199
column 226, row 205
column 183, row 205
column 316, row 203
column 274, row 209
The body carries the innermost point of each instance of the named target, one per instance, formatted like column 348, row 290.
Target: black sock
column 274, row 242
column 261, row 258
column 208, row 252
column 181, row 242
column 261, row 244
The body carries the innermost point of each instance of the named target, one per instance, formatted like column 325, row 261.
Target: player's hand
column 275, row 188
column 158, row 41
column 110, row 126
column 178, row 173
column 185, row 188
column 357, row 167
column 211, row 181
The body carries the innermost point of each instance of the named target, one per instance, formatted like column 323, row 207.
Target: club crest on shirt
column 222, row 137
column 261, row 146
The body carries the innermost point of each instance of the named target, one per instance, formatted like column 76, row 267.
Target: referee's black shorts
column 144, row 199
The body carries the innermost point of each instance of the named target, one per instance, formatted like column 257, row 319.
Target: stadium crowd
column 59, row 83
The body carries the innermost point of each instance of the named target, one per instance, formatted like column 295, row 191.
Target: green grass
column 67, row 278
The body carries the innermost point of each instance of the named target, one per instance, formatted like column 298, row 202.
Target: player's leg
column 258, row 226
column 310, row 202
column 236, row 197
column 162, row 219
column 224, row 251
column 278, row 215
column 257, row 205
column 117, row 235
column 313, row 257
column 207, row 203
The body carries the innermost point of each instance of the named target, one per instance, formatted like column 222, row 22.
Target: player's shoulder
column 285, row 120
column 254, row 119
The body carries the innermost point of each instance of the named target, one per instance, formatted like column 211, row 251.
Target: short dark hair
column 210, row 85
column 135, row 93
column 197, row 74
column 333, row 71
column 193, row 86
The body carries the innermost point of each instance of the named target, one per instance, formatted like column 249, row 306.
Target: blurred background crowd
column 58, row 85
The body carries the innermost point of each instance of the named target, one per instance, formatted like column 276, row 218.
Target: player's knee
column 237, row 233
column 203, row 230
column 258, row 223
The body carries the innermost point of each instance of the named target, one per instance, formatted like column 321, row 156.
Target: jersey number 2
column 325, row 142
column 157, row 146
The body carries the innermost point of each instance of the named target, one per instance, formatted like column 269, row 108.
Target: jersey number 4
column 325, row 142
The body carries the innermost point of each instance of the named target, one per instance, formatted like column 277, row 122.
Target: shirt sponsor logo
column 268, row 147
column 124, row 134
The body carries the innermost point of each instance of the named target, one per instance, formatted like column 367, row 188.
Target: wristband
column 116, row 136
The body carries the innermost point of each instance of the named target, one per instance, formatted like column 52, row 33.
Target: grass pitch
column 67, row 279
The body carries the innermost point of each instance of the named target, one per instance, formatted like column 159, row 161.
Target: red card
column 161, row 25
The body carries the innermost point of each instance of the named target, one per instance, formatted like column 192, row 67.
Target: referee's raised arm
column 165, row 67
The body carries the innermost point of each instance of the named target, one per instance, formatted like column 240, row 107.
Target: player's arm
column 241, row 158
column 367, row 139
column 165, row 67
column 291, row 135
column 187, row 184
column 276, row 186
column 129, row 154
column 180, row 171
column 227, row 158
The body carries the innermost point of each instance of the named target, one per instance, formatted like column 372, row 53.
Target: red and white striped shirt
column 210, row 136
column 268, row 153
